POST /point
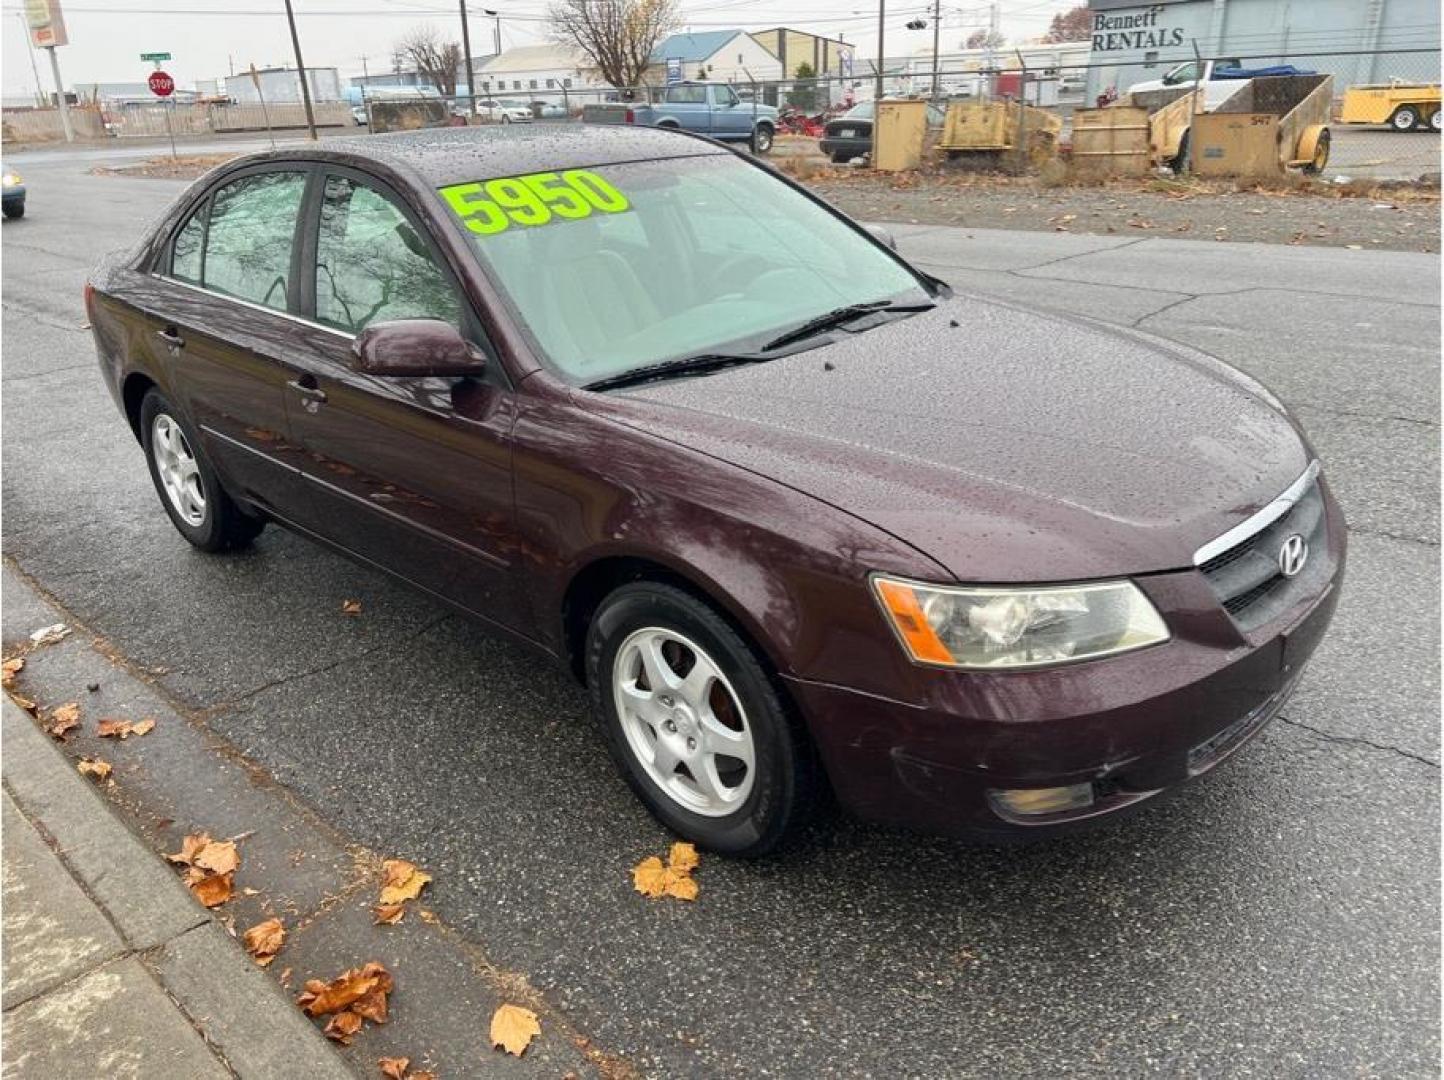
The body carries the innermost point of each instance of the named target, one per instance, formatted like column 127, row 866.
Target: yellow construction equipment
column 1269, row 124
column 991, row 128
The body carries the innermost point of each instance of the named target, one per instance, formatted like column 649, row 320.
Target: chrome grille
column 1247, row 578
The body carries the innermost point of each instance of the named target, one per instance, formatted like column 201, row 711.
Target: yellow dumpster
column 991, row 128
column 898, row 133
column 1269, row 124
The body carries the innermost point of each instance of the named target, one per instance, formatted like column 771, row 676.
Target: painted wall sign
column 47, row 26
column 1121, row 31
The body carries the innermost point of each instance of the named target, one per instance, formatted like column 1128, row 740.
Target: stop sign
column 161, row 84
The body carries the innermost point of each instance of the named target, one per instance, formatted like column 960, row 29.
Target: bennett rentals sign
column 47, row 27
column 1141, row 28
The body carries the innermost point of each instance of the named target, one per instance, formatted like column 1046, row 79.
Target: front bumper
column 14, row 196
column 1132, row 726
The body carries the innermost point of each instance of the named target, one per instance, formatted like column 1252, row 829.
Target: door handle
column 171, row 338
column 310, row 393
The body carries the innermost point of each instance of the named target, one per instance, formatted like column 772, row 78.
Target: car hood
column 1006, row 445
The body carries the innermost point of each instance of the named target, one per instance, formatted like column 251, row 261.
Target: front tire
column 189, row 490
column 16, row 211
column 1405, row 118
column 1434, row 120
column 695, row 723
column 762, row 139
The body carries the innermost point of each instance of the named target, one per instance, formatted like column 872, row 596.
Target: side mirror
column 416, row 347
column 882, row 236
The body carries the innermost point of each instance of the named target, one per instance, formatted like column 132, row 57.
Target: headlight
column 11, row 179
column 1018, row 627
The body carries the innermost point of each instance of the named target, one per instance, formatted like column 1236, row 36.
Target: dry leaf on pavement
column 213, row 891
column 49, row 635
column 651, row 878
column 513, row 1028
column 62, row 719
column 25, row 703
column 94, row 767
column 403, row 881
column 350, row 607
column 190, row 847
column 264, row 940
column 121, row 729
column 345, row 990
column 343, row 1027
column 11, row 668
column 395, row 1068
column 389, row 914
column 219, row 857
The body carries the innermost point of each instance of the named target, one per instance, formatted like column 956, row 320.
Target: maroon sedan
column 799, row 517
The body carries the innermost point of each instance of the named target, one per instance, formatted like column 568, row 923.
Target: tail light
column 89, row 295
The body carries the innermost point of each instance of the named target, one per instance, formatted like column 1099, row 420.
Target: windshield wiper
column 830, row 320
column 701, row 364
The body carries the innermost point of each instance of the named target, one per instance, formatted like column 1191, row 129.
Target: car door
column 221, row 319
column 730, row 118
column 412, row 474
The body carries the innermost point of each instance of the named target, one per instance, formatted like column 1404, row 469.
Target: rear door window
column 251, row 236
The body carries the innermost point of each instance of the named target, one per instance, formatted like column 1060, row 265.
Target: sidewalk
column 110, row 968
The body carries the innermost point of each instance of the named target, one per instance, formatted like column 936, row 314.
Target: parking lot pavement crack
column 1422, row 541
column 1359, row 741
column 330, row 666
column 1019, row 270
column 1361, row 415
column 1166, row 307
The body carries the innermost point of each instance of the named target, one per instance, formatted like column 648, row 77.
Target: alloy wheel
column 180, row 476
column 683, row 721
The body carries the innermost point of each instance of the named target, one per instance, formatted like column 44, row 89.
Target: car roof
column 437, row 157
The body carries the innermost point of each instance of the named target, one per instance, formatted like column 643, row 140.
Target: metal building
column 283, row 84
column 1357, row 41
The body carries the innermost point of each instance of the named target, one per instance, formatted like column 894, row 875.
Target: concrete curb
column 240, row 1012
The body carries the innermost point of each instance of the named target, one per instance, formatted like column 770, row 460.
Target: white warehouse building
column 1356, row 41
column 283, row 84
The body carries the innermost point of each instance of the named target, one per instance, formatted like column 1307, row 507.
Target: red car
column 799, row 517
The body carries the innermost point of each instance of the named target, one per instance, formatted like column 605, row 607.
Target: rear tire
column 762, row 139
column 1320, row 159
column 1405, row 118
column 1434, row 120
column 1179, row 164
column 842, row 157
column 188, row 487
column 677, row 744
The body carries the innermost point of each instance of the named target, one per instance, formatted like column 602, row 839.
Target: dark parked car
column 12, row 196
column 850, row 135
column 796, row 514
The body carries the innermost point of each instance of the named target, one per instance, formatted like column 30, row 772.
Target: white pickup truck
column 1216, row 86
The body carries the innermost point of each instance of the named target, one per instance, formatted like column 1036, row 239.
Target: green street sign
column 157, row 57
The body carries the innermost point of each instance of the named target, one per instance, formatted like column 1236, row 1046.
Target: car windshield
column 625, row 266
column 859, row 112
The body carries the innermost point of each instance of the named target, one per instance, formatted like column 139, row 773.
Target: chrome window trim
column 1260, row 521
column 254, row 306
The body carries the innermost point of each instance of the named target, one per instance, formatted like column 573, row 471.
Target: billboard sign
column 674, row 69
column 47, row 27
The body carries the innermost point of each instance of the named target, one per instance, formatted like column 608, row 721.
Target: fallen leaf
column 343, row 1027
column 264, row 940
column 190, row 847
column 683, row 857
column 651, row 878
column 389, row 914
column 343, row 991
column 395, row 1068
column 49, row 635
column 372, row 1006
column 403, row 881
column 350, row 607
column 62, row 719
column 428, row 1075
column 121, row 729
column 219, row 857
column 213, row 891
column 513, row 1028
column 11, row 668
column 24, row 702
column 143, row 727
column 94, row 767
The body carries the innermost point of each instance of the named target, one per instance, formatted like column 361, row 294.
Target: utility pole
column 470, row 75
column 881, row 52
column 497, row 16
column 60, row 96
column 365, row 74
column 301, row 70
column 937, row 29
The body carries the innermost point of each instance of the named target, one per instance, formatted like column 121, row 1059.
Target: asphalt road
column 1279, row 918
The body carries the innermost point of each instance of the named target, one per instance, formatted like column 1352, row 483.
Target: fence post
column 1022, row 162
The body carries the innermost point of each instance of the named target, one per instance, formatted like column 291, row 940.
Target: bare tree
column 617, row 36
column 984, row 39
column 1075, row 24
column 435, row 58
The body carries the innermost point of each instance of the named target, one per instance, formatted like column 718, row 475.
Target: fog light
column 1027, row 802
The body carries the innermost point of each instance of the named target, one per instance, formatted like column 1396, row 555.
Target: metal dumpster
column 1135, row 134
column 991, row 128
column 1268, row 125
